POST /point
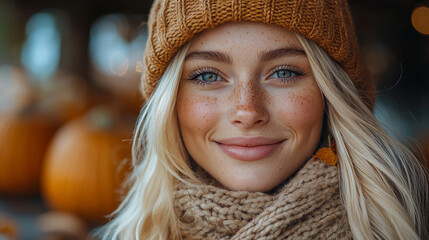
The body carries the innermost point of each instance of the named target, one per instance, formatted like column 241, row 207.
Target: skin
column 250, row 94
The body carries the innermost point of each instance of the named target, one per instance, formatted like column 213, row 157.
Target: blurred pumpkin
column 24, row 138
column 86, row 164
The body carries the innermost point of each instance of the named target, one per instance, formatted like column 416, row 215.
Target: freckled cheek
column 302, row 110
column 197, row 115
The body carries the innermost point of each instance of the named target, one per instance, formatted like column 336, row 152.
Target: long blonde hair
column 383, row 187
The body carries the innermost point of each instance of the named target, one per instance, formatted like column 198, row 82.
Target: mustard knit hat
column 327, row 22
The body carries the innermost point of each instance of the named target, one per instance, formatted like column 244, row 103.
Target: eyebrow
column 264, row 56
column 209, row 55
column 281, row 52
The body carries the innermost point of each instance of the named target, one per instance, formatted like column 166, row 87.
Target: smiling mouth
column 249, row 149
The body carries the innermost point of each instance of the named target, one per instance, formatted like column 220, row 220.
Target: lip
column 249, row 149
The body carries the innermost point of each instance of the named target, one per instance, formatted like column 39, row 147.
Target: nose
column 249, row 106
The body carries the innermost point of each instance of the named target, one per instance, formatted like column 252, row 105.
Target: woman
column 249, row 104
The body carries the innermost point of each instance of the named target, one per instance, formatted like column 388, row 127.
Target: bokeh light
column 110, row 51
column 42, row 50
column 420, row 19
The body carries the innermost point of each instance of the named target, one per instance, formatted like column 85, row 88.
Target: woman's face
column 249, row 109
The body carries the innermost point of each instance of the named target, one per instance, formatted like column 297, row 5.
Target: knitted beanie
column 327, row 22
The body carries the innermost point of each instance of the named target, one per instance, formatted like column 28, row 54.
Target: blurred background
column 69, row 75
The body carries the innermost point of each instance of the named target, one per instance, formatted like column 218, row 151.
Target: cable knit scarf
column 308, row 206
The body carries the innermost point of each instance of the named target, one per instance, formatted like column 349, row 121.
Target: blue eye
column 205, row 76
column 286, row 74
column 283, row 74
column 208, row 77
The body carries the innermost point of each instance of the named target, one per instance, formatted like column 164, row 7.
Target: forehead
column 247, row 36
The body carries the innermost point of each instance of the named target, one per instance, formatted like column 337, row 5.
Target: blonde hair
column 382, row 185
column 159, row 158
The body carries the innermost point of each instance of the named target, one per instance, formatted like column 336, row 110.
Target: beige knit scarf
column 308, row 206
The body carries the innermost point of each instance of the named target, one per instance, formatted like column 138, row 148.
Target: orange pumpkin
column 86, row 164
column 24, row 137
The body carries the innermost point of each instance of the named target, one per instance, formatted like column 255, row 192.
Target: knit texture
column 308, row 206
column 327, row 22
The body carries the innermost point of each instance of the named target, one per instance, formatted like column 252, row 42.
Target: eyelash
column 195, row 74
column 296, row 74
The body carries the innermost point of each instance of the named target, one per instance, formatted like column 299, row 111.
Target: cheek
column 196, row 114
column 302, row 109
